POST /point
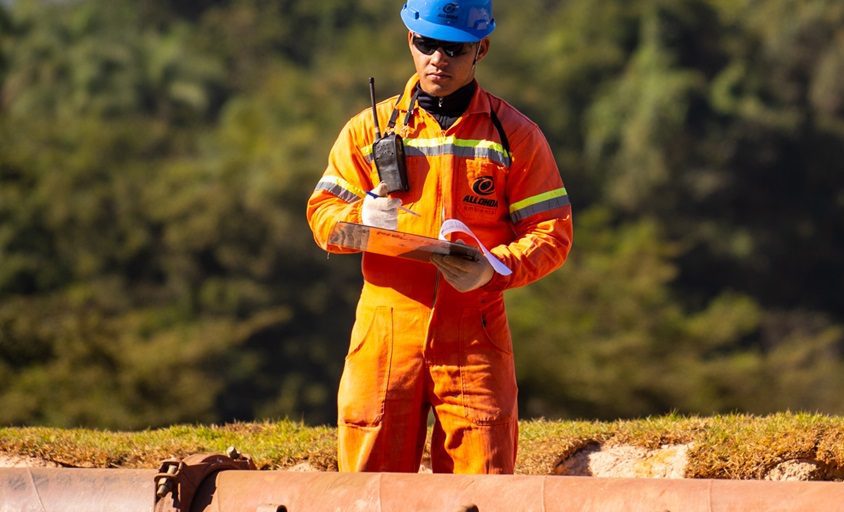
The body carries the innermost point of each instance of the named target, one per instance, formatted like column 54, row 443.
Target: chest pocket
column 482, row 191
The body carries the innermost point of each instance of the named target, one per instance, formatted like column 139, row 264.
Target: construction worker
column 434, row 335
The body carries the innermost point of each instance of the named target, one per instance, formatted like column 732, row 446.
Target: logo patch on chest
column 482, row 186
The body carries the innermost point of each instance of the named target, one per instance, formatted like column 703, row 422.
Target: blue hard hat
column 458, row 21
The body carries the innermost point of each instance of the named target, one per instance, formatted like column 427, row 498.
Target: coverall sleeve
column 540, row 212
column 337, row 196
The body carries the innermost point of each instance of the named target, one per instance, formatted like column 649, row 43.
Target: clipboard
column 397, row 243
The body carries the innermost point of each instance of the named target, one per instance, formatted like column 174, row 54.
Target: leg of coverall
column 381, row 413
column 475, row 393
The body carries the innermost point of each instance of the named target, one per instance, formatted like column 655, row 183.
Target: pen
column 402, row 208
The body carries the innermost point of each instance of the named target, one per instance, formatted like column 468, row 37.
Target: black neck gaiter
column 447, row 109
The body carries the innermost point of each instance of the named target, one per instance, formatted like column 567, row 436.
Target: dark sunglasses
column 428, row 46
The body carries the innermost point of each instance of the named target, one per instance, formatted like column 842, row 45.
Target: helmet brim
column 444, row 32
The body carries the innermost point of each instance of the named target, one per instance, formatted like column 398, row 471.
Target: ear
column 483, row 50
column 410, row 41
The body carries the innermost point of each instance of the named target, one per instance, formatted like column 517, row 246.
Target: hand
column 464, row 275
column 381, row 211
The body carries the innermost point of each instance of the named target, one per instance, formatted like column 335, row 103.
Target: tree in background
column 167, row 233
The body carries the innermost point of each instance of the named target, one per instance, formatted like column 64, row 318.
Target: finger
column 448, row 272
column 437, row 261
column 440, row 262
column 459, row 264
column 450, row 277
column 380, row 189
column 452, row 274
column 386, row 204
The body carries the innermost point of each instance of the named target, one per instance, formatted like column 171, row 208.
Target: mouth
column 438, row 76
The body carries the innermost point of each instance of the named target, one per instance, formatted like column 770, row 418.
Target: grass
column 729, row 446
column 272, row 445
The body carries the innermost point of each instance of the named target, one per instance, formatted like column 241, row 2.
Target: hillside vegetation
column 156, row 268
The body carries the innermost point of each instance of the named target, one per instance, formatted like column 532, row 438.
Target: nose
column 438, row 57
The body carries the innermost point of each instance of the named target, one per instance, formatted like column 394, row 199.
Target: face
column 441, row 75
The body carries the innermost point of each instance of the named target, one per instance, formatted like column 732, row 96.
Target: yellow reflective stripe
column 530, row 201
column 447, row 145
column 454, row 141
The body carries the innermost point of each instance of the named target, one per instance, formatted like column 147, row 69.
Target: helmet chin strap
column 477, row 53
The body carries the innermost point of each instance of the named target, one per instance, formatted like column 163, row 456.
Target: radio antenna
column 374, row 111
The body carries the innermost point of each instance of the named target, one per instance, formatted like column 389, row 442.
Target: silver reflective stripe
column 460, row 151
column 334, row 186
column 464, row 148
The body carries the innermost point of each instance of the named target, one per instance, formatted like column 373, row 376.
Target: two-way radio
column 388, row 152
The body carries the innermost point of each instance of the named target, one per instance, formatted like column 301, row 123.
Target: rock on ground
column 623, row 461
column 21, row 461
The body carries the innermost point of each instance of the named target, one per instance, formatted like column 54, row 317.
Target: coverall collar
column 453, row 105
column 447, row 109
column 478, row 105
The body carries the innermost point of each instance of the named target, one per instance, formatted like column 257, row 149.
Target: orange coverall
column 418, row 343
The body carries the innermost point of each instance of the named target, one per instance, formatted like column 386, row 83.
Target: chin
column 436, row 89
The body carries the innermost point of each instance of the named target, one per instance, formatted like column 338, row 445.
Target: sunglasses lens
column 425, row 45
column 429, row 46
column 452, row 49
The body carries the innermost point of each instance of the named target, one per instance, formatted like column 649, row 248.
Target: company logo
column 448, row 11
column 484, row 186
column 480, row 201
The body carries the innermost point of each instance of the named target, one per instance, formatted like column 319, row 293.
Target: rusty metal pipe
column 115, row 490
column 76, row 490
column 248, row 491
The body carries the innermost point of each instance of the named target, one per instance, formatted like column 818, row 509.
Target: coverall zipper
column 436, row 275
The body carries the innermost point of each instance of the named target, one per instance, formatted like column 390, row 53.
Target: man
column 436, row 335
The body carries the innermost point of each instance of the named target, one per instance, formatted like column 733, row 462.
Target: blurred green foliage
column 155, row 160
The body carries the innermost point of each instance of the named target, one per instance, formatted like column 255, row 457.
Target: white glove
column 462, row 274
column 381, row 211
